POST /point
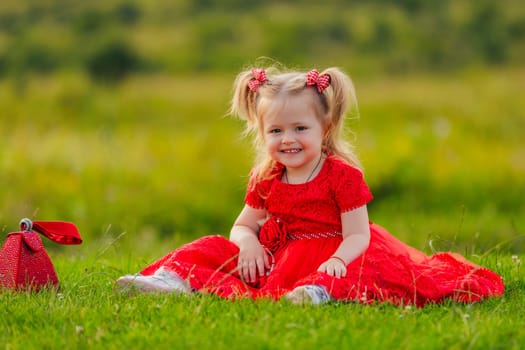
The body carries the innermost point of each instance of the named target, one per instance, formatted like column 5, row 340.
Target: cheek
column 272, row 143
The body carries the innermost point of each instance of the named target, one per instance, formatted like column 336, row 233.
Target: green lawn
column 88, row 313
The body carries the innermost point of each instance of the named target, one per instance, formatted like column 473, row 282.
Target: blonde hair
column 331, row 107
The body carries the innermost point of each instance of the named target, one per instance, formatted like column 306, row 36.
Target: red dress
column 304, row 230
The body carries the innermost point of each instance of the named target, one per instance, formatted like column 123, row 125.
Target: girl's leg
column 208, row 264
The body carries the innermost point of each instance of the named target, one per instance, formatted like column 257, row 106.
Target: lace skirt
column 388, row 271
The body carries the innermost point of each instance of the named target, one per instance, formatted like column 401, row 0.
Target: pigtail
column 342, row 93
column 340, row 99
column 243, row 104
column 246, row 89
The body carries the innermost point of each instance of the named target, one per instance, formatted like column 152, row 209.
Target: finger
column 267, row 263
column 240, row 270
column 245, row 271
column 333, row 271
column 337, row 272
column 252, row 267
column 261, row 266
column 343, row 272
column 322, row 268
column 239, row 267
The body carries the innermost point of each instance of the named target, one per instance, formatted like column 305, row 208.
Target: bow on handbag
column 24, row 262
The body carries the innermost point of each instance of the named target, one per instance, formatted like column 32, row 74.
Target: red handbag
column 24, row 262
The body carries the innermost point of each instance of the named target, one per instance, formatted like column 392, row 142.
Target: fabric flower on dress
column 273, row 234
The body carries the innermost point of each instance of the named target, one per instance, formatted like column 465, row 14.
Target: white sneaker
column 162, row 281
column 309, row 294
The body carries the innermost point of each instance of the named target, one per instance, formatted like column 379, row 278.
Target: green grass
column 87, row 313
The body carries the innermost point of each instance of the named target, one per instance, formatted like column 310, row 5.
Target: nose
column 287, row 138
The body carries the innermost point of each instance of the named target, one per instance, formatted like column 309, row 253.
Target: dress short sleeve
column 351, row 190
column 256, row 193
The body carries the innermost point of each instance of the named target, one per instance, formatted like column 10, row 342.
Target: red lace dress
column 304, row 229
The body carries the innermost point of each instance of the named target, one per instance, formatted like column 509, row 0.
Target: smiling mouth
column 293, row 150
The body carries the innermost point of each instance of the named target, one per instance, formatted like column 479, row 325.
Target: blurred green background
column 113, row 113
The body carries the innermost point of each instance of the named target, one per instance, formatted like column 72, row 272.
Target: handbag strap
column 58, row 231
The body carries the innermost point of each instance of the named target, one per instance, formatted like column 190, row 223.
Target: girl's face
column 293, row 134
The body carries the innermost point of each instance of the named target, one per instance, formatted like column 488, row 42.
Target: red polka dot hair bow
column 259, row 77
column 321, row 81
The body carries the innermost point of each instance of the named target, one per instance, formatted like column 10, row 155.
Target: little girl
column 304, row 233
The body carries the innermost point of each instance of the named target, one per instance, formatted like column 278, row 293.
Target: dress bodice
column 315, row 206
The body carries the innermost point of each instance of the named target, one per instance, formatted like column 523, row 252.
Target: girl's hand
column 356, row 238
column 334, row 266
column 252, row 261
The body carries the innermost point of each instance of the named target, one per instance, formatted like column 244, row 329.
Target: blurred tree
column 218, row 35
column 207, row 5
column 89, row 21
column 2, row 66
column 8, row 22
column 26, row 56
column 488, row 32
column 517, row 29
column 337, row 31
column 412, row 6
column 127, row 13
column 113, row 61
column 382, row 35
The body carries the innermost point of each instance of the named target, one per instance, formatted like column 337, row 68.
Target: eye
column 274, row 131
column 301, row 128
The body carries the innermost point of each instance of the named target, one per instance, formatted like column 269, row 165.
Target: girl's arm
column 244, row 233
column 356, row 237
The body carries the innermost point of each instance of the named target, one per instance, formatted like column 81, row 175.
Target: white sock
column 317, row 293
column 161, row 281
column 171, row 279
column 309, row 294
